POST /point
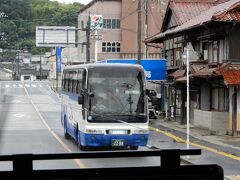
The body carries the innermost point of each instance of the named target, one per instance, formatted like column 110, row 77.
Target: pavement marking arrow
column 19, row 115
column 16, row 101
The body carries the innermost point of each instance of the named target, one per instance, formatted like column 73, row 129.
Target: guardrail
column 169, row 160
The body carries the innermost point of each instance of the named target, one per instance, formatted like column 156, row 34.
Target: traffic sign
column 96, row 22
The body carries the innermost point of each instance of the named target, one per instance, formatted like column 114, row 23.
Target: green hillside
column 19, row 18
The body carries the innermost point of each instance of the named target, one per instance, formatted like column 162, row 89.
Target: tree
column 19, row 18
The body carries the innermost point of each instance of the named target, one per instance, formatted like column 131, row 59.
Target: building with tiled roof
column 210, row 32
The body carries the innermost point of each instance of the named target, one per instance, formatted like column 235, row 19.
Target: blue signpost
column 155, row 70
column 59, row 60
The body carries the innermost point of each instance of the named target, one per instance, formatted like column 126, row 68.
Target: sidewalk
column 202, row 134
column 224, row 143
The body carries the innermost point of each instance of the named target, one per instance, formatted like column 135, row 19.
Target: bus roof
column 95, row 65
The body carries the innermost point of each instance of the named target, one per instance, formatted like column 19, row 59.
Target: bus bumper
column 101, row 140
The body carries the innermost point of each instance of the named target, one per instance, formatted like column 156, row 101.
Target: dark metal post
column 139, row 38
column 22, row 166
column 40, row 69
column 88, row 40
column 18, row 66
column 170, row 158
column 234, row 112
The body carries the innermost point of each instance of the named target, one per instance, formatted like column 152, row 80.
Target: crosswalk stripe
column 22, row 85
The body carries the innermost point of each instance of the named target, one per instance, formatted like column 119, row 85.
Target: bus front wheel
column 80, row 146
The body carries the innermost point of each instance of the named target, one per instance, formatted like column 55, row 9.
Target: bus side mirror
column 80, row 99
column 91, row 94
column 147, row 92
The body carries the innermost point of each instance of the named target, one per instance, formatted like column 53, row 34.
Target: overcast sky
column 72, row 1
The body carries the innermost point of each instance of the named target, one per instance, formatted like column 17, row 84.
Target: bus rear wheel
column 66, row 135
column 133, row 147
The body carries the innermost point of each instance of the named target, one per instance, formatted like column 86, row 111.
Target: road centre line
column 178, row 139
column 77, row 161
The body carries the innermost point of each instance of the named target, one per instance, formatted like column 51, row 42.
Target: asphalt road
column 30, row 123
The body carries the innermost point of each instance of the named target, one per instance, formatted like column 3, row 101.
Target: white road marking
column 20, row 85
column 33, row 85
column 7, row 85
column 77, row 161
column 27, row 85
column 16, row 101
column 19, row 115
column 14, row 85
column 40, row 85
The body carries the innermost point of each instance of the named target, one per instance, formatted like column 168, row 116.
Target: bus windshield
column 117, row 92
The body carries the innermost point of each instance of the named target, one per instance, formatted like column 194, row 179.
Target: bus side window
column 77, row 82
column 72, row 87
column 63, row 79
column 69, row 85
column 75, row 86
column 80, row 76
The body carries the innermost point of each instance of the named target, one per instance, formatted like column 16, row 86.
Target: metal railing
column 169, row 167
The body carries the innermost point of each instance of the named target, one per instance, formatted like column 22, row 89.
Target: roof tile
column 231, row 74
column 220, row 12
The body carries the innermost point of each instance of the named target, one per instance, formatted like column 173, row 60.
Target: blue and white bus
column 105, row 105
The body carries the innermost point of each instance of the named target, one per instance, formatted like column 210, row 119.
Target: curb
column 194, row 135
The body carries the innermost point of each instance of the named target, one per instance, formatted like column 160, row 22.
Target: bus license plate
column 117, row 142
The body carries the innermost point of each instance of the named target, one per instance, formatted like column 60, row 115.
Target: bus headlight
column 94, row 131
column 141, row 131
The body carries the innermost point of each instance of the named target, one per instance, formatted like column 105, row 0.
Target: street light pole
column 139, row 31
column 188, row 98
column 96, row 44
column 88, row 40
column 56, row 70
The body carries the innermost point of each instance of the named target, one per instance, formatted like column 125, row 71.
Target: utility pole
column 88, row 40
column 18, row 65
column 139, row 38
column 146, row 28
column 56, row 70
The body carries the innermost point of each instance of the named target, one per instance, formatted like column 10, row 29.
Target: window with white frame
column 111, row 47
column 111, row 23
